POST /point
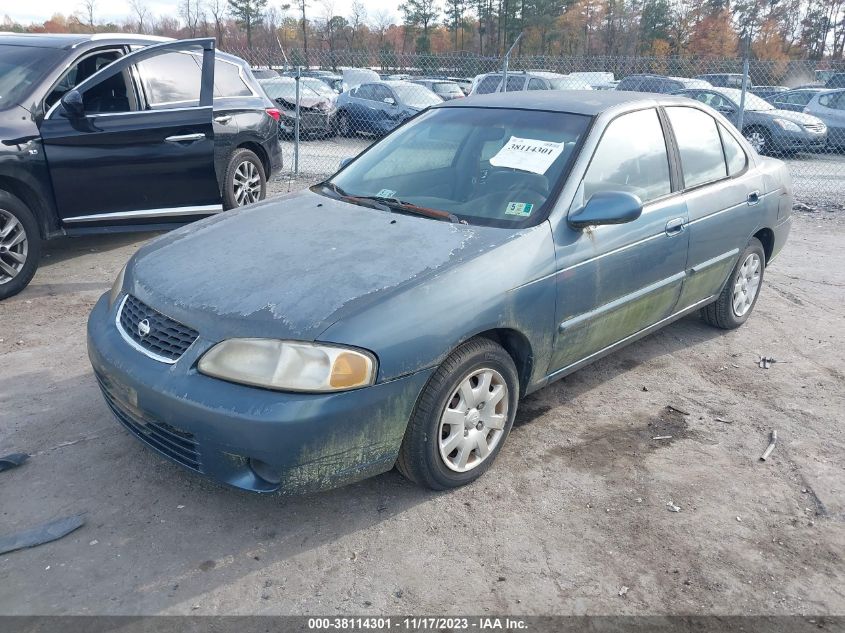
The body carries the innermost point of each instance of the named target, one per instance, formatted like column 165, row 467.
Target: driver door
column 114, row 156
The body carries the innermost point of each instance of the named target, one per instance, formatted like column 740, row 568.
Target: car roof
column 590, row 102
column 70, row 40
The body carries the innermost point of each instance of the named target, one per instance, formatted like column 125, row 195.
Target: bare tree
column 217, row 9
column 303, row 5
column 192, row 12
column 89, row 7
column 141, row 11
column 357, row 19
column 380, row 23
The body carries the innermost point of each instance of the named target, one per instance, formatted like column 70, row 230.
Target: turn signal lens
column 349, row 370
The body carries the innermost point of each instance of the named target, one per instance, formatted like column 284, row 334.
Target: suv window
column 735, row 156
column 172, row 78
column 79, row 72
column 488, row 84
column 536, row 84
column 631, row 156
column 515, row 84
column 698, row 140
column 227, row 80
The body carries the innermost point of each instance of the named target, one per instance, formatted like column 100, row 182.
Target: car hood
column 292, row 266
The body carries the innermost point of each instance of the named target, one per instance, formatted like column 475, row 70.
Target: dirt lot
column 574, row 509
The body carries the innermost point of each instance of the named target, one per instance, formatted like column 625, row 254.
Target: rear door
column 139, row 150
column 722, row 196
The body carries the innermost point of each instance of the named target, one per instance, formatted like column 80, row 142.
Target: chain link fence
column 794, row 110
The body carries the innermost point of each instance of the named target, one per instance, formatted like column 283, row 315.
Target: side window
column 380, row 93
column 227, row 80
column 79, row 72
column 515, row 84
column 488, row 84
column 365, row 92
column 668, row 87
column 536, row 84
column 172, row 78
column 631, row 156
column 699, row 145
column 734, row 154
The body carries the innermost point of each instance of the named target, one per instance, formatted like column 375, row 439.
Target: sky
column 40, row 10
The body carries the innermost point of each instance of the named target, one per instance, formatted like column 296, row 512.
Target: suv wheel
column 245, row 181
column 20, row 245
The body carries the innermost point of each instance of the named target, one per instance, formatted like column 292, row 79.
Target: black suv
column 123, row 132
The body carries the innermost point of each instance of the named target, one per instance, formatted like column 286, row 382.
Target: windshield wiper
column 409, row 207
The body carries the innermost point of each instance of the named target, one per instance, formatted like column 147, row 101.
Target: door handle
column 675, row 226
column 223, row 119
column 753, row 197
column 185, row 138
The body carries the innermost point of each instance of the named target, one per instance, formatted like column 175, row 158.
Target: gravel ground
column 575, row 508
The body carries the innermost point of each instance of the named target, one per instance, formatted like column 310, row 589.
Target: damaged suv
column 122, row 132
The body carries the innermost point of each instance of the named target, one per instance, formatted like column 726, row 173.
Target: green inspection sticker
column 522, row 209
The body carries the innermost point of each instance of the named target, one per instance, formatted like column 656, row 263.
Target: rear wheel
column 739, row 296
column 462, row 418
column 344, row 125
column 20, row 245
column 245, row 181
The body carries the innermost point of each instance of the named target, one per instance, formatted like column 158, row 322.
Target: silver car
column 830, row 107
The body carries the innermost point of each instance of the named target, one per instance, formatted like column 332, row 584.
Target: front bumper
column 805, row 141
column 249, row 438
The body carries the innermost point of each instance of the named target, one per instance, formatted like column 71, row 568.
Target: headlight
column 117, row 286
column 289, row 365
column 787, row 125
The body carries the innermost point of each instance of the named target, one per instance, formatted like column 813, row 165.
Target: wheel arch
column 767, row 239
column 36, row 203
column 259, row 151
column 518, row 347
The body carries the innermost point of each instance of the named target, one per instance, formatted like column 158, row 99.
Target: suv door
column 721, row 196
column 615, row 281
column 114, row 155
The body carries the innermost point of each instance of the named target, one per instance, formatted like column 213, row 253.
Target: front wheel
column 739, row 296
column 462, row 418
column 760, row 139
column 245, row 181
column 20, row 245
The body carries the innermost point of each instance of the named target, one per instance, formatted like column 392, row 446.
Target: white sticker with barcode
column 527, row 154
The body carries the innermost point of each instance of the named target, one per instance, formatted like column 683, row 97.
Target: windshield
column 488, row 166
column 752, row 101
column 447, row 88
column 285, row 89
column 315, row 85
column 20, row 68
column 415, row 96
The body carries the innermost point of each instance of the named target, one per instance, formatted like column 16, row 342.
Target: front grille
column 174, row 443
column 160, row 336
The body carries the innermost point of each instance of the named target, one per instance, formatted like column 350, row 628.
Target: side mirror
column 72, row 104
column 607, row 207
column 345, row 161
column 389, row 100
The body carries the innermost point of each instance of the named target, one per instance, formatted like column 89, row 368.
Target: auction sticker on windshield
column 522, row 209
column 527, row 154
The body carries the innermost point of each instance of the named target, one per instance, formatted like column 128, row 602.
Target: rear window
column 488, row 85
column 228, row 82
column 699, row 144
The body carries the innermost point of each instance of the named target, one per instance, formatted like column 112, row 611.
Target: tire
column 760, row 139
column 344, row 126
column 723, row 313
column 19, row 239
column 425, row 456
column 245, row 181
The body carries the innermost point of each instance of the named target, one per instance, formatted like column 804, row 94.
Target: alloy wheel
column 747, row 284
column 13, row 246
column 247, row 183
column 473, row 421
column 757, row 140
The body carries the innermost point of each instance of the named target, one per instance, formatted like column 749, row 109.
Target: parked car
column 530, row 80
column 332, row 80
column 316, row 105
column 444, row 89
column 767, row 129
column 836, row 80
column 378, row 107
column 659, row 84
column 397, row 312
column 116, row 132
column 764, row 92
column 829, row 106
column 596, row 79
column 725, row 80
column 795, row 100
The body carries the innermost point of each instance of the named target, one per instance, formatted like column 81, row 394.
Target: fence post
column 746, row 45
column 505, row 64
column 296, row 125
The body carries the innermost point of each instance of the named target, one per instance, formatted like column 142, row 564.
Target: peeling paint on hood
column 289, row 267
